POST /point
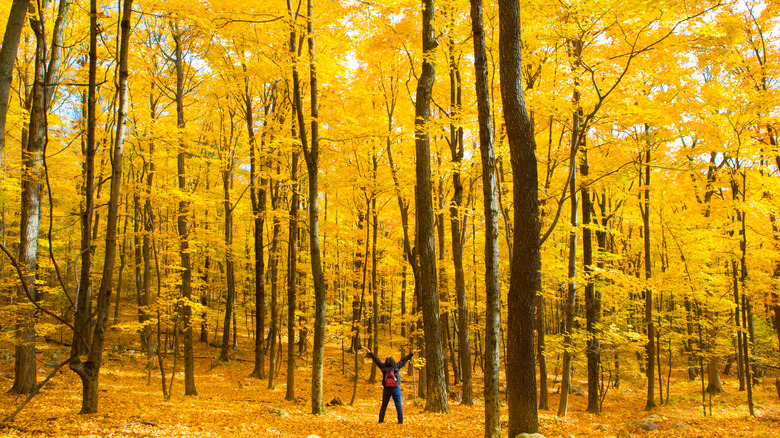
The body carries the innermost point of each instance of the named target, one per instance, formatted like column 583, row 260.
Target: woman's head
column 390, row 362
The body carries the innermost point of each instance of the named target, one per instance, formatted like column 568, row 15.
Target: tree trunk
column 183, row 227
column 434, row 352
column 650, row 346
column 32, row 175
column 592, row 315
column 292, row 280
column 571, row 298
column 312, row 157
column 257, row 196
column 84, row 293
column 490, row 205
column 89, row 371
column 524, row 280
column 11, row 38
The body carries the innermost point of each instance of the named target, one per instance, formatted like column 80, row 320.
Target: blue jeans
column 396, row 394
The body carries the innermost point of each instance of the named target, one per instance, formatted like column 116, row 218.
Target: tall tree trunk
column 182, row 226
column 645, row 210
column 457, row 229
column 145, row 298
column 429, row 299
column 521, row 379
column 32, row 170
column 257, row 196
column 490, row 205
column 591, row 298
column 292, row 279
column 312, row 166
column 374, row 286
column 570, row 301
column 84, row 293
column 11, row 38
column 89, row 371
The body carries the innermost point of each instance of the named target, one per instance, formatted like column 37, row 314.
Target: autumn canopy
column 571, row 209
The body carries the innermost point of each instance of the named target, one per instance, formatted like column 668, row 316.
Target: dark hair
column 390, row 362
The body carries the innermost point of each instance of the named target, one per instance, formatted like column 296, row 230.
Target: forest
column 210, row 209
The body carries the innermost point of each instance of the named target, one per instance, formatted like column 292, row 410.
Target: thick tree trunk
column 490, row 205
column 524, row 280
column 429, row 298
column 32, row 168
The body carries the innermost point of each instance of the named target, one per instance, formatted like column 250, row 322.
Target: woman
column 391, row 382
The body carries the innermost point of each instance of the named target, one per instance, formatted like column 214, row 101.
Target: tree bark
column 258, row 198
column 592, row 315
column 89, row 371
column 429, row 297
column 182, row 226
column 292, row 280
column 32, row 175
column 571, row 297
column 11, row 38
column 645, row 210
column 524, row 280
column 457, row 228
column 490, row 205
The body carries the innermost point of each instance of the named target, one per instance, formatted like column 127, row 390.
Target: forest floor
column 231, row 404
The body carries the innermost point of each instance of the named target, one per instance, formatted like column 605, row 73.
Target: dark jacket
column 396, row 370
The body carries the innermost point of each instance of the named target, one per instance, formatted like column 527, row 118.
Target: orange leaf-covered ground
column 231, row 404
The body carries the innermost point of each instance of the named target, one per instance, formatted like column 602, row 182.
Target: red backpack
column 390, row 380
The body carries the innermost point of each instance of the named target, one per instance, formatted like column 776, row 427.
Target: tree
column 492, row 285
column 429, row 299
column 13, row 33
column 32, row 168
column 89, row 370
column 521, row 378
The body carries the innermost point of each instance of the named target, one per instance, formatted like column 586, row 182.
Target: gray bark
column 492, row 285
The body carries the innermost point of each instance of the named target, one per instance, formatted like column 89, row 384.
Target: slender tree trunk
column 312, row 157
column 490, row 205
column 258, row 197
column 84, row 293
column 591, row 299
column 571, row 297
column 182, row 225
column 521, row 379
column 650, row 346
column 89, row 371
column 374, row 288
column 292, row 279
column 144, row 313
column 457, row 233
